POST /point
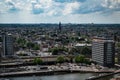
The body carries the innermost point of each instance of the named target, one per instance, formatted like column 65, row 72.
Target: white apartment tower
column 7, row 45
column 103, row 51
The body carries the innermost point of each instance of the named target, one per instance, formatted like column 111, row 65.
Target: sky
column 66, row 11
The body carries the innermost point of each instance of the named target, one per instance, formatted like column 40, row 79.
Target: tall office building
column 7, row 45
column 103, row 51
column 60, row 27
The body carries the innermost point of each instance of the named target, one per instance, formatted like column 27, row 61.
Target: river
column 74, row 76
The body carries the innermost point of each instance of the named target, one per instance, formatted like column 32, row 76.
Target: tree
column 60, row 59
column 36, row 47
column 55, row 51
column 87, row 61
column 30, row 45
column 82, row 59
column 21, row 42
column 86, row 51
column 71, row 57
column 79, row 59
column 65, row 41
column 37, row 61
column 118, row 44
column 73, row 51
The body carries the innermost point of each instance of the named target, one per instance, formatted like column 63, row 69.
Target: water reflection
column 76, row 76
column 106, row 78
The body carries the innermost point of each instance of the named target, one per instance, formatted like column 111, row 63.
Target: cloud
column 111, row 4
column 102, row 6
column 60, row 7
column 63, row 1
column 11, row 5
column 37, row 9
column 71, row 8
column 81, row 0
column 90, row 7
column 40, row 6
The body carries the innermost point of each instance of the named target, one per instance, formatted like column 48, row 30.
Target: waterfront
column 76, row 76
column 73, row 76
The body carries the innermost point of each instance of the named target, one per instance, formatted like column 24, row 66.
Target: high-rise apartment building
column 7, row 45
column 103, row 51
column 118, row 55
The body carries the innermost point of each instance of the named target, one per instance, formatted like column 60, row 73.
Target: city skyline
column 66, row 11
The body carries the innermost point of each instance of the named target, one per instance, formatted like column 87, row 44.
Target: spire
column 60, row 26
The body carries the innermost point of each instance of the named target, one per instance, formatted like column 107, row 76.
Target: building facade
column 118, row 55
column 103, row 52
column 7, row 45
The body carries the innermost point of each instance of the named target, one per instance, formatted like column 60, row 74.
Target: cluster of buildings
column 103, row 49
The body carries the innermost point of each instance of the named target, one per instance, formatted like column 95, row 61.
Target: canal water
column 75, row 76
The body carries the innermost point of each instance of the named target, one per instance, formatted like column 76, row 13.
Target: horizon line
column 58, row 23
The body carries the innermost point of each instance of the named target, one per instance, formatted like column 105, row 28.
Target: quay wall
column 44, row 72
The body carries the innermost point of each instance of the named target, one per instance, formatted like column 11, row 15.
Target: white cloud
column 58, row 9
column 61, row 7
column 14, row 5
column 52, row 13
column 71, row 7
column 111, row 4
column 37, row 6
column 33, row 1
column 46, row 3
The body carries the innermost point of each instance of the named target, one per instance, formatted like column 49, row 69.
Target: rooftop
column 103, row 39
column 82, row 44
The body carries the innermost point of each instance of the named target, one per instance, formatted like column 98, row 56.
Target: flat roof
column 82, row 44
column 102, row 40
